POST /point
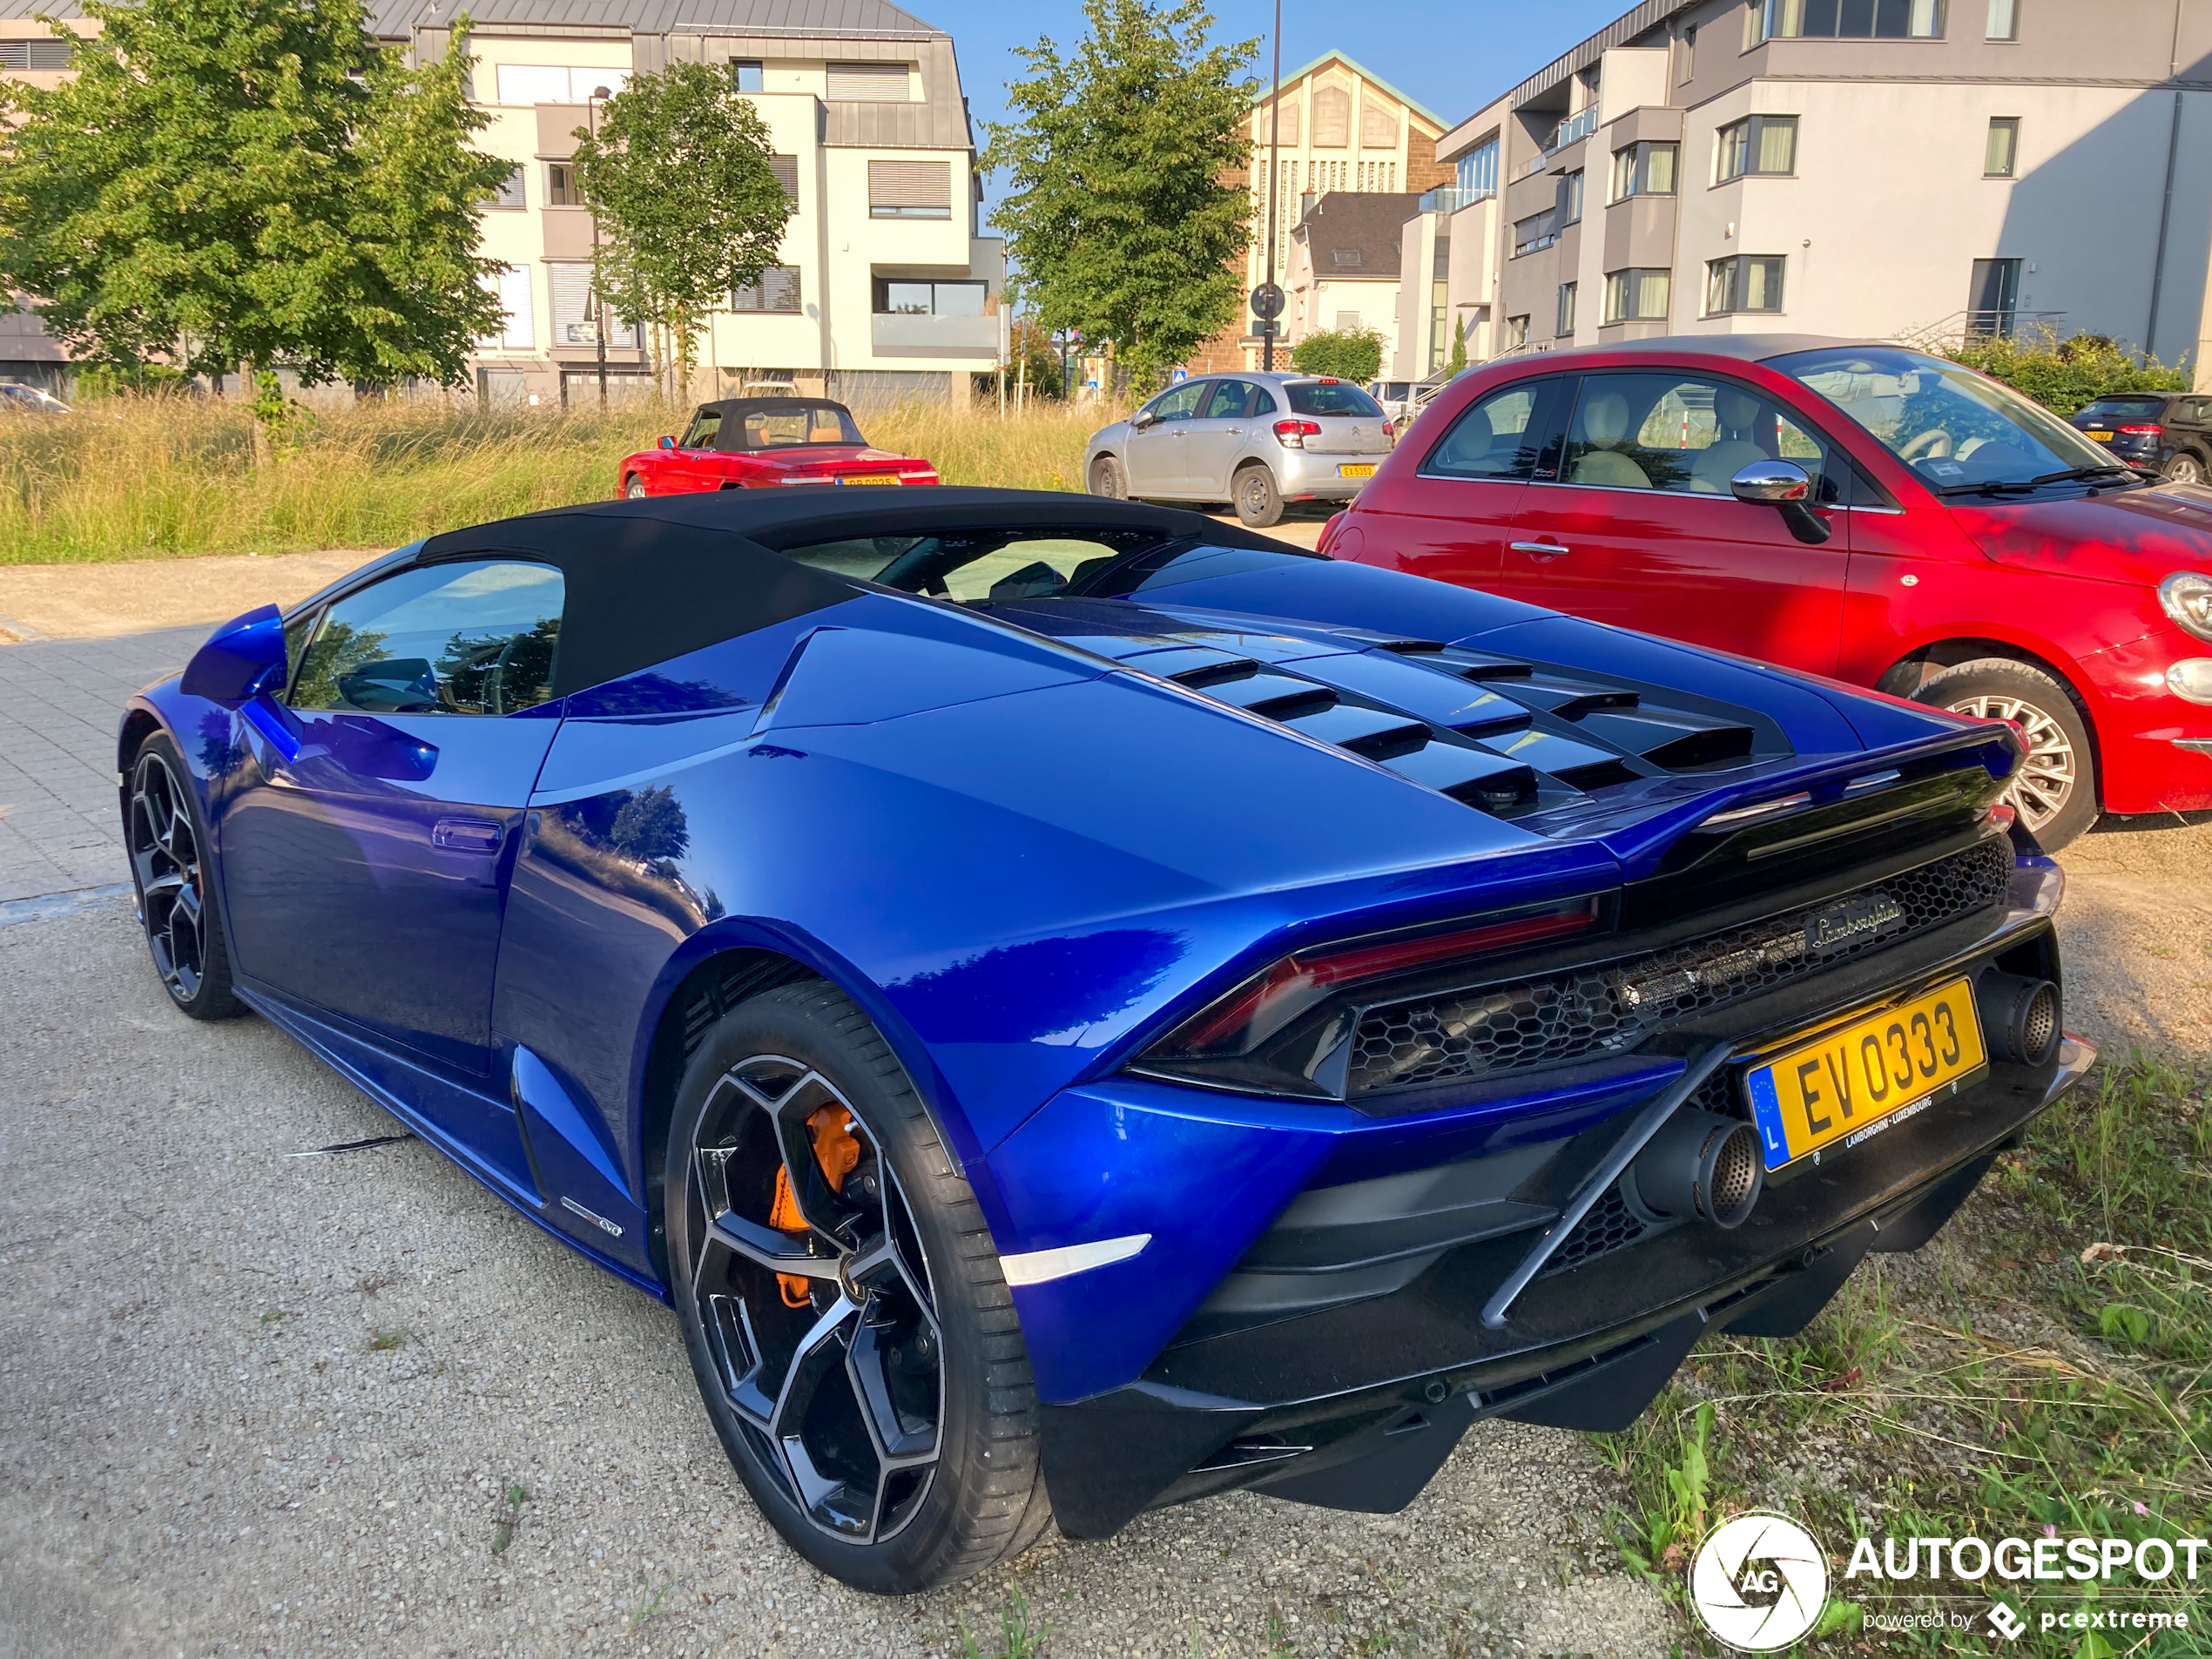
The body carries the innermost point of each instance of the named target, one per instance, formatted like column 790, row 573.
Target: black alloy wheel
column 170, row 873
column 1258, row 502
column 862, row 1394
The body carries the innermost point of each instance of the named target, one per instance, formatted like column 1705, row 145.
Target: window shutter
column 786, row 171
column 867, row 83
column 926, row 185
column 34, row 54
column 569, row 287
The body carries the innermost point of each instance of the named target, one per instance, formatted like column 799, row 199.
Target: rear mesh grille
column 1608, row 1009
column 1610, row 1226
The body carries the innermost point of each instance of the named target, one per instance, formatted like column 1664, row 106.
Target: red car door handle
column 1549, row 548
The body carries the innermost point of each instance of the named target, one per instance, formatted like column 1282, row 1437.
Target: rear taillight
column 1292, row 435
column 1276, row 1032
column 2144, row 431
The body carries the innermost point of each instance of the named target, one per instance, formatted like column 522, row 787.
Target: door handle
column 467, row 835
column 1236, row 432
column 1551, row 549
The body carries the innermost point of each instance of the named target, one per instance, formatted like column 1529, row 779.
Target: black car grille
column 1609, row 1007
column 1610, row 1226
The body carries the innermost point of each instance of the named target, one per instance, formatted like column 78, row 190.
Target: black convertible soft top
column 650, row 579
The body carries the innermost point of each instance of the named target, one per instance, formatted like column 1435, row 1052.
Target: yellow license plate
column 870, row 478
column 1350, row 470
column 2101, row 437
column 1865, row 1076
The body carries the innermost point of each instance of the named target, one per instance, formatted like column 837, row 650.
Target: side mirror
column 241, row 660
column 1142, row 419
column 668, row 443
column 1785, row 485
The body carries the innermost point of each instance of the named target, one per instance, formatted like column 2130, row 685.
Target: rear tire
column 1107, row 479
column 2183, row 469
column 850, row 1328
column 1258, row 502
column 2055, row 790
column 165, row 840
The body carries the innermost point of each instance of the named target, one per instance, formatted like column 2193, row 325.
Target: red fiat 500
column 1857, row 510
column 745, row 442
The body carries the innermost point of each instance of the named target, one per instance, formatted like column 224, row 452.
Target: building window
column 512, row 287
column 786, row 171
column 746, row 74
column 2001, row 154
column 1747, row 282
column 898, row 297
column 34, row 54
column 868, row 83
column 1686, row 56
column 1516, row 332
column 1535, row 232
column 1479, row 172
column 1569, row 203
column 1646, row 169
column 1565, row 310
column 1848, row 20
column 1639, row 294
column 2004, row 20
column 1759, row 144
column 576, row 312
column 544, row 84
column 510, row 195
column 910, row 190
column 1993, row 298
column 777, row 290
column 1347, row 322
column 561, row 188
column 1331, row 117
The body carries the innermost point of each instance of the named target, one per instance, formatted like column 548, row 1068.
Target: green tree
column 1034, row 351
column 688, row 203
column 1117, row 213
column 1459, row 358
column 228, row 183
column 1354, row 355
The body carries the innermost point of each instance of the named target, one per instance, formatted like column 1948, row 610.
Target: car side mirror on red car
column 1785, row 486
column 668, row 443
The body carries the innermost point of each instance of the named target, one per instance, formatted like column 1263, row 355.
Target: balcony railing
column 898, row 334
column 1572, row 130
column 1449, row 199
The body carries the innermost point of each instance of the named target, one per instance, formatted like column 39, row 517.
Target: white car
column 1257, row 441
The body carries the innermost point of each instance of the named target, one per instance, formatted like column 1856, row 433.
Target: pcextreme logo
column 1758, row 1582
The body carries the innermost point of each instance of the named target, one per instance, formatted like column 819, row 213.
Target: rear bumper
column 1311, row 475
column 1356, row 1407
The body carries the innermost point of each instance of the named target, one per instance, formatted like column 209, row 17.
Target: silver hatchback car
column 1256, row 440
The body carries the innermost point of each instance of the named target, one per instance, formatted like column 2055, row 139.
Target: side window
column 467, row 638
column 295, row 640
column 704, row 425
column 1263, row 401
column 1690, row 436
column 1179, row 403
column 1231, row 400
column 1503, row 437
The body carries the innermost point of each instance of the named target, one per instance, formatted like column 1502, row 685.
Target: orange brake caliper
column 836, row 1150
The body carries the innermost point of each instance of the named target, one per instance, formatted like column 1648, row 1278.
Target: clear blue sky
column 1455, row 56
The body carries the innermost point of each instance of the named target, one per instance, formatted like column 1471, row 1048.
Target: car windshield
column 1958, row 430
column 2118, row 411
column 1330, row 397
column 791, row 426
column 975, row 566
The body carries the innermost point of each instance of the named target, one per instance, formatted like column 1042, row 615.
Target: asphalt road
column 253, row 1403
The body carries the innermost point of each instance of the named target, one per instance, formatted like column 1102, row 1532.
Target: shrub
column 2064, row 375
column 1354, row 355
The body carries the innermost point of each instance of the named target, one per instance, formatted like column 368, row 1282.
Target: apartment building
column 884, row 288
column 1337, row 129
column 1886, row 168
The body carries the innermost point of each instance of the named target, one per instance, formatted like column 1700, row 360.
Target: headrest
column 1605, row 419
column 1735, row 409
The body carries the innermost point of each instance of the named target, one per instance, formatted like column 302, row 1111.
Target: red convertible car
column 1849, row 508
column 747, row 442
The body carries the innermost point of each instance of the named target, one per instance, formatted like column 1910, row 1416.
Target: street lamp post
column 1274, row 179
column 599, row 310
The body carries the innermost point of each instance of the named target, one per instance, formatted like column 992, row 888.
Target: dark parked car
column 2169, row 432
column 1078, row 1007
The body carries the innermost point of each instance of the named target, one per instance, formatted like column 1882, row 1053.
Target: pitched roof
column 1350, row 234
column 1365, row 74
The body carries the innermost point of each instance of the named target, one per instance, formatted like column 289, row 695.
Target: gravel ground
column 256, row 1404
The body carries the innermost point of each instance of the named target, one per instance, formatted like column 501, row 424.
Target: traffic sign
column 1180, row 374
column 1265, row 328
column 1267, row 301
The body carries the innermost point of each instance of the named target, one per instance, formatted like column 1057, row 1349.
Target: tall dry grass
column 157, row 477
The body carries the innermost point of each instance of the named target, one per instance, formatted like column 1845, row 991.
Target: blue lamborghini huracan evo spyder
column 1078, row 1007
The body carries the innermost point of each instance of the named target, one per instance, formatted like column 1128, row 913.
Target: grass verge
column 155, row 476
column 2040, row 1368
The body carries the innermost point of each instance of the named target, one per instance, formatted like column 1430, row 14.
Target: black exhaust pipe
column 1699, row 1167
column 2019, row 1017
